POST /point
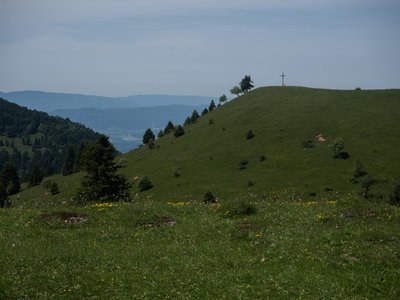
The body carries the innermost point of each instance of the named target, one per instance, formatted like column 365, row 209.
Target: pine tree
column 179, row 131
column 9, row 179
column 69, row 161
column 169, row 128
column 188, row 121
column 35, row 175
column 212, row 105
column 160, row 133
column 194, row 116
column 204, row 111
column 148, row 136
column 101, row 182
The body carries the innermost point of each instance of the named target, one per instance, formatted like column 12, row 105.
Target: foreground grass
column 306, row 249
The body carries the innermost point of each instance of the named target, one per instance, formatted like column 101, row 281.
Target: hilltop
column 215, row 155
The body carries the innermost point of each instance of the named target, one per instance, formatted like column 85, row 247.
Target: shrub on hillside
column 51, row 186
column 262, row 158
column 249, row 134
column 243, row 164
column 308, row 144
column 238, row 208
column 209, row 198
column 145, row 184
column 395, row 197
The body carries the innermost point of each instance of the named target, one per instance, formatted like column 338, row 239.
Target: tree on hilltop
column 223, row 99
column 246, row 84
column 236, row 90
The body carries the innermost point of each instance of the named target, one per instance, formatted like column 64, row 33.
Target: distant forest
column 29, row 137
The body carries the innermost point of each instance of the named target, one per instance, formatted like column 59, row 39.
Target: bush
column 262, row 158
column 249, row 134
column 145, row 184
column 51, row 186
column 395, row 197
column 308, row 144
column 243, row 164
column 176, row 173
column 366, row 184
column 239, row 208
column 209, row 198
column 359, row 170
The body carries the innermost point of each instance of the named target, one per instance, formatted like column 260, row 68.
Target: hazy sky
column 196, row 47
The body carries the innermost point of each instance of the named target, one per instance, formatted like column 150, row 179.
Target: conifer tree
column 187, row 121
column 194, row 116
column 169, row 128
column 204, row 111
column 160, row 133
column 179, row 131
column 9, row 179
column 148, row 136
column 35, row 175
column 101, row 182
column 212, row 105
column 69, row 161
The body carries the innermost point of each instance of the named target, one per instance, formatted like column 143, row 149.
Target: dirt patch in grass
column 64, row 217
column 156, row 220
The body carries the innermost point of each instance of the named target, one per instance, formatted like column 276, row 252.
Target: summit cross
column 283, row 75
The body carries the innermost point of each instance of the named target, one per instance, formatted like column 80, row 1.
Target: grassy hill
column 208, row 155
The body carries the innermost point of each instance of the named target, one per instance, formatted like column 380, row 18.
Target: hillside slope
column 29, row 136
column 207, row 157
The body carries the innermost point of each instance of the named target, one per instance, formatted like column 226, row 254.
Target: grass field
column 344, row 248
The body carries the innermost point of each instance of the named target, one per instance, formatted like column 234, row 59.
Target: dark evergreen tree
column 160, row 133
column 194, row 116
column 204, row 111
column 148, row 136
column 79, row 153
column 35, row 175
column 246, row 84
column 188, row 121
column 101, row 182
column 9, row 179
column 3, row 196
column 212, row 105
column 169, row 128
column 69, row 161
column 179, row 131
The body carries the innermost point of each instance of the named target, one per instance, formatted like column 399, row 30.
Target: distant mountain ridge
column 49, row 101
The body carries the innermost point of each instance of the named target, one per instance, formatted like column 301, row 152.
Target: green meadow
column 345, row 248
